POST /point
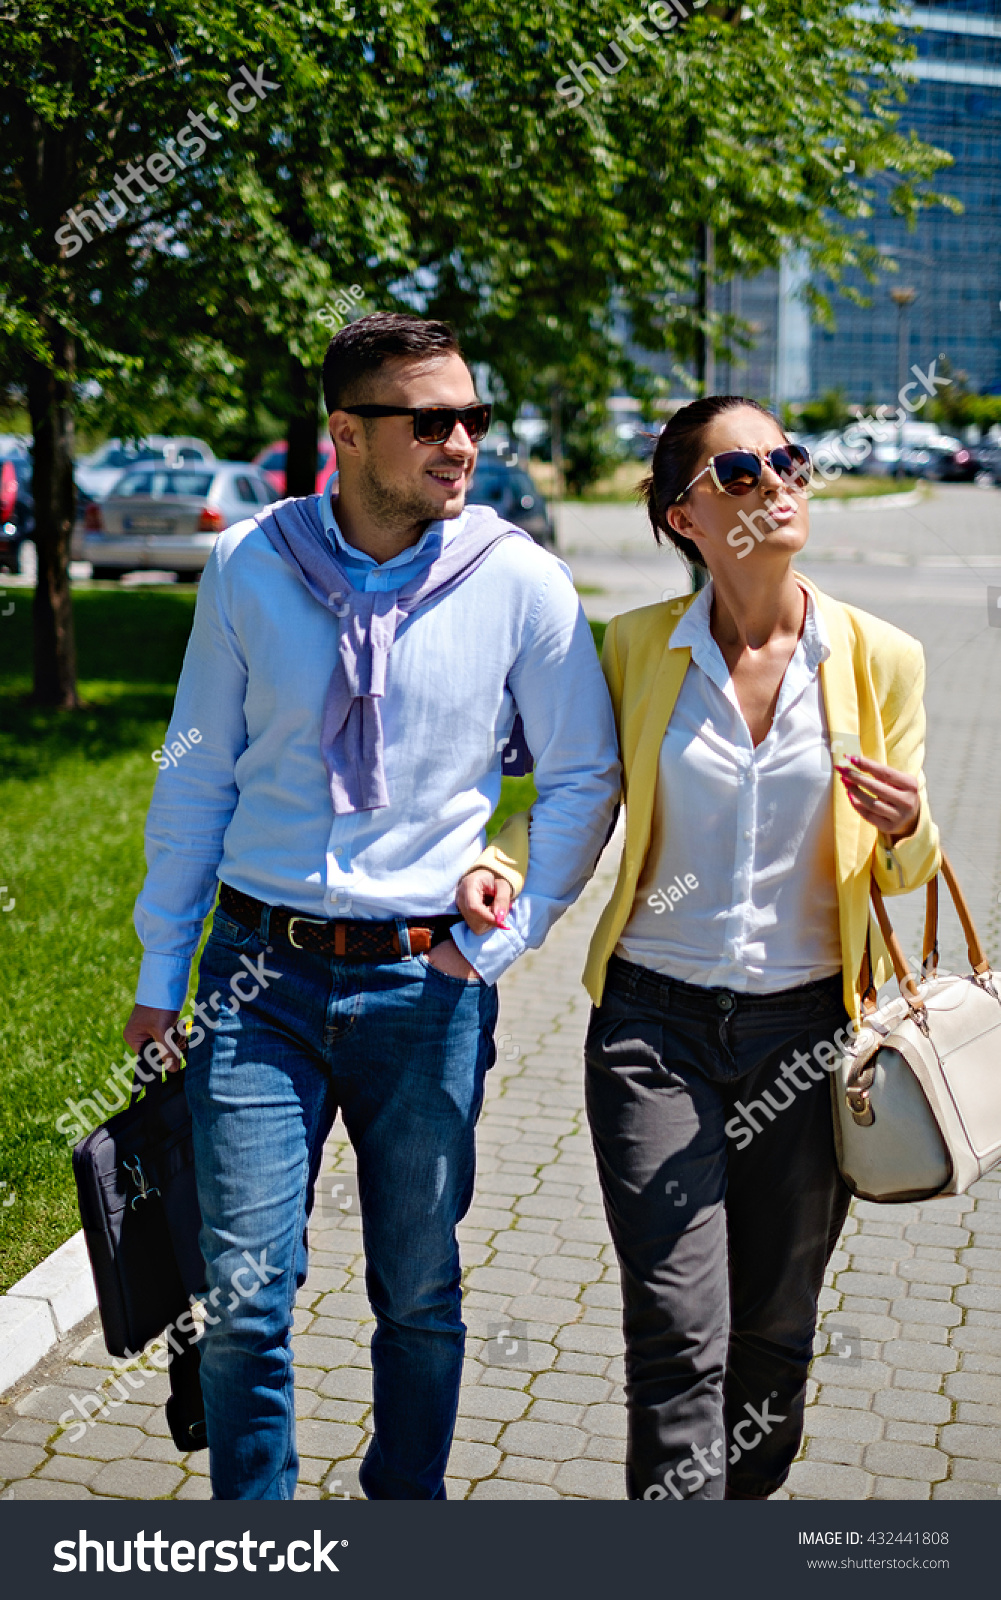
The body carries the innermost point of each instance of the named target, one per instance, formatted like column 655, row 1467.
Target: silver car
column 97, row 474
column 167, row 519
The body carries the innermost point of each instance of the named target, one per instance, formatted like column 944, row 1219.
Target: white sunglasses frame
column 763, row 458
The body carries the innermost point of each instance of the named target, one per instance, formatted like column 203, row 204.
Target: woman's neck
column 748, row 614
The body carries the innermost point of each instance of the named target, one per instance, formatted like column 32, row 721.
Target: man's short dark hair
column 357, row 352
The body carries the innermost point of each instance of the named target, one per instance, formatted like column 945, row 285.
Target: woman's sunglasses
column 434, row 424
column 738, row 472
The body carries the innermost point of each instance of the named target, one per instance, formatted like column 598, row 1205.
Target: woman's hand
column 889, row 799
column 484, row 899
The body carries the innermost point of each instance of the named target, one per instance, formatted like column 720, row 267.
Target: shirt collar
column 430, row 544
column 693, row 633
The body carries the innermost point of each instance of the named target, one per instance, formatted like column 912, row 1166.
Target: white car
column 97, row 474
column 167, row 519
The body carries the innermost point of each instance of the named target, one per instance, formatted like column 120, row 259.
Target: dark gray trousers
column 724, row 1202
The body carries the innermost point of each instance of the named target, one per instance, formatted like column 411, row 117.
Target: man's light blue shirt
column 367, row 573
column 248, row 801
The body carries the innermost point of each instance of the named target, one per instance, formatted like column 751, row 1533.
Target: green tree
column 90, row 101
column 951, row 407
column 436, row 153
column 818, row 416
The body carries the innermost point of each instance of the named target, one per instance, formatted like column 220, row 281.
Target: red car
column 8, row 491
column 271, row 461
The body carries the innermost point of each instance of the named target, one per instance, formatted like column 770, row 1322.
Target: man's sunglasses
column 434, row 424
column 738, row 472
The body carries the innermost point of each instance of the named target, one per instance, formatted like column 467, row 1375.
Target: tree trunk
column 300, row 471
column 50, row 402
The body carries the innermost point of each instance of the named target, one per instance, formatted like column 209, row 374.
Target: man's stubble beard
column 395, row 509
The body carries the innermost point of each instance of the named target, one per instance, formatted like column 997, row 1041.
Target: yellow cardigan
column 872, row 683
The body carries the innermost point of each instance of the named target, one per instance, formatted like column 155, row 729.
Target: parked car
column 989, row 459
column 944, row 459
column 17, row 509
column 513, row 496
column 167, row 518
column 98, row 473
column 271, row 461
column 869, row 445
column 883, row 461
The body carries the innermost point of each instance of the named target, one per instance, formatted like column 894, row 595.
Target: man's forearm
column 568, row 722
column 567, row 714
column 562, row 859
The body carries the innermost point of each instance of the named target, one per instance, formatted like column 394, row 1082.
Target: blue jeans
column 402, row 1051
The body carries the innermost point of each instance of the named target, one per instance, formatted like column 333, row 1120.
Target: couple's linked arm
column 894, row 669
column 507, row 856
column 558, row 687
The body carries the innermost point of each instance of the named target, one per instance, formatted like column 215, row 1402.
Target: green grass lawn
column 859, row 486
column 74, row 788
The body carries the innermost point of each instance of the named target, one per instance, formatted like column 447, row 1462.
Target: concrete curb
column 869, row 502
column 43, row 1307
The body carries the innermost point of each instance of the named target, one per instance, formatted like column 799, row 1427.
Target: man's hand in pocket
column 447, row 957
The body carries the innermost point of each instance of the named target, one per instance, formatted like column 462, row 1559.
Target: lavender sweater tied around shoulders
column 351, row 738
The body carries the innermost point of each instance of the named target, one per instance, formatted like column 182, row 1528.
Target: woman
column 727, row 963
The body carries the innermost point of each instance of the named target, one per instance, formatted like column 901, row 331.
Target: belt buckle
column 314, row 922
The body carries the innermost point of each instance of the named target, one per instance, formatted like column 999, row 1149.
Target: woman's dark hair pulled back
column 675, row 463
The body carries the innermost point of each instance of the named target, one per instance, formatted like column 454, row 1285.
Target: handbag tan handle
column 905, row 977
column 974, row 949
column 929, row 946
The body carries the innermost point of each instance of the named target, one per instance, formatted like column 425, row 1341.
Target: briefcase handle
column 154, row 1079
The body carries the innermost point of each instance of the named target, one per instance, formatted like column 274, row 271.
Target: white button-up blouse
column 738, row 890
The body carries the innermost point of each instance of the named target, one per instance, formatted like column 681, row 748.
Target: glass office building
column 951, row 262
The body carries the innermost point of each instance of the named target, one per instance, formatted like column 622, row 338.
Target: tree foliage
column 429, row 152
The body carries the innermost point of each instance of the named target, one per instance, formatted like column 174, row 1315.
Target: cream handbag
column 917, row 1096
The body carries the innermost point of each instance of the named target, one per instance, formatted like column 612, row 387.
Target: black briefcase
column 135, row 1180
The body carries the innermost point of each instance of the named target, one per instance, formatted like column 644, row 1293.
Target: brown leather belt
column 348, row 938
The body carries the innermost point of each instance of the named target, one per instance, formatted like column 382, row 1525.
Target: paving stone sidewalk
column 907, row 1404
column 905, row 1399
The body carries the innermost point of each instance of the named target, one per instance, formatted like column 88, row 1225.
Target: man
column 355, row 667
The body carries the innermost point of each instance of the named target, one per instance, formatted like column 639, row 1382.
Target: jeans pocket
column 233, row 935
column 446, row 977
